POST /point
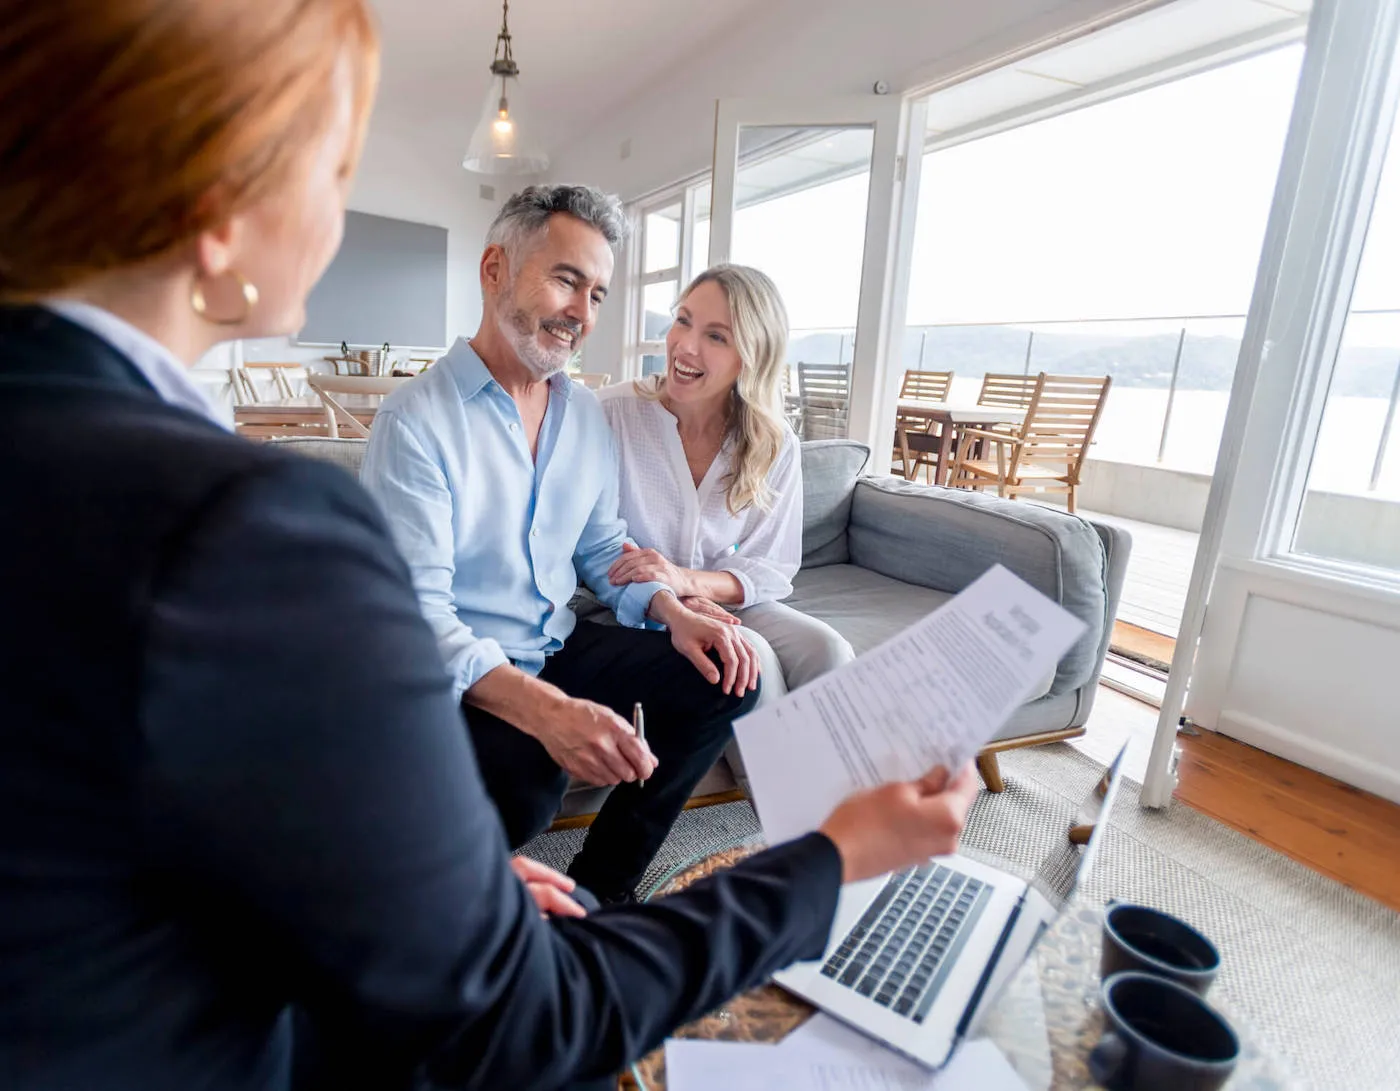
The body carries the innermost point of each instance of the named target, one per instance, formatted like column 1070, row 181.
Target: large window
column 1120, row 239
column 1351, row 509
column 801, row 193
column 673, row 238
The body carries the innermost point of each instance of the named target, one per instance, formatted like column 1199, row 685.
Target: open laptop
column 917, row 956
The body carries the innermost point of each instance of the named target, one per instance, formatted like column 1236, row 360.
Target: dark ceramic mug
column 1137, row 937
column 1161, row 1036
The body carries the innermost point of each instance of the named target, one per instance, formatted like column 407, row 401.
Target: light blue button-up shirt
column 497, row 541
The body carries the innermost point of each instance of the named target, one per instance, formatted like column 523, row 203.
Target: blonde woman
column 712, row 474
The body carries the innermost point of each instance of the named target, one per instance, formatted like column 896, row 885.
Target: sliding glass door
column 1296, row 561
column 805, row 191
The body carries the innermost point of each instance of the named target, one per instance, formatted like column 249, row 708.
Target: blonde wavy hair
column 756, row 422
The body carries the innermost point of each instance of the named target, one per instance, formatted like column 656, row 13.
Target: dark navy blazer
column 238, row 808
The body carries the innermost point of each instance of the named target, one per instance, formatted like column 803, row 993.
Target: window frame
column 682, row 193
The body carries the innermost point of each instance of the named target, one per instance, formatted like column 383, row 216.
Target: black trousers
column 688, row 723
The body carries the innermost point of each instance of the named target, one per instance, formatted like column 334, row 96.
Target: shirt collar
column 472, row 375
column 158, row 365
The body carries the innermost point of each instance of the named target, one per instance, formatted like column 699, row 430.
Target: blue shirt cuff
column 632, row 604
column 484, row 656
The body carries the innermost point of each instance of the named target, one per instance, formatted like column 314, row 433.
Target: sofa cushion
column 946, row 538
column 830, row 468
column 868, row 608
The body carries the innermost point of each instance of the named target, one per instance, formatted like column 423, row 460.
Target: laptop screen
column 1061, row 872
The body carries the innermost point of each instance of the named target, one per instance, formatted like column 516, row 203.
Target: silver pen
column 639, row 726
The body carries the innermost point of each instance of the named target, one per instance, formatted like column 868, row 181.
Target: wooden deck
column 1159, row 570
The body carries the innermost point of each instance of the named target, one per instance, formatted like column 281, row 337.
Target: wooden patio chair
column 337, row 415
column 915, row 441
column 824, row 399
column 1009, row 390
column 1046, row 453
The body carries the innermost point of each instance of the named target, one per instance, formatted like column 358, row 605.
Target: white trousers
column 793, row 647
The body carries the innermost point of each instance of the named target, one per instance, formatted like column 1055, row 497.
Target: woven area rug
column 1310, row 968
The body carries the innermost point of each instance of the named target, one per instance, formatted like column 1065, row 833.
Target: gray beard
column 520, row 335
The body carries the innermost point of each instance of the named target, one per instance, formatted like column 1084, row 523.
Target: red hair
column 129, row 126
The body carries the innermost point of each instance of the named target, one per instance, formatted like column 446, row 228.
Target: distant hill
column 1207, row 363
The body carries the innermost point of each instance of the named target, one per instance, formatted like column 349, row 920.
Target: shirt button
column 534, row 532
column 514, row 427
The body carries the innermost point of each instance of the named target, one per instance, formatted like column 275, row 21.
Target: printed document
column 932, row 695
column 746, row 1066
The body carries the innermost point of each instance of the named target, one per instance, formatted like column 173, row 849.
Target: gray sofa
column 879, row 553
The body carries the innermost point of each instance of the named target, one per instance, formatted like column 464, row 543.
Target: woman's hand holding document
column 930, row 697
column 882, row 829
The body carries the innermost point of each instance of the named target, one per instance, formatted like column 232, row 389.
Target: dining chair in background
column 916, row 438
column 281, row 374
column 1046, row 452
column 330, row 388
column 1009, row 390
column 824, row 399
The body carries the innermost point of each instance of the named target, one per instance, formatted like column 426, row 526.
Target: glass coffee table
column 1045, row 1022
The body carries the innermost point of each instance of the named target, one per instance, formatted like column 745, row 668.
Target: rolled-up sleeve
column 769, row 553
column 413, row 493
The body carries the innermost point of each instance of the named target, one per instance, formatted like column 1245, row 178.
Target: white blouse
column 691, row 526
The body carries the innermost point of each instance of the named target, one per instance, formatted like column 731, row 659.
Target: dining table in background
column 304, row 415
column 944, row 419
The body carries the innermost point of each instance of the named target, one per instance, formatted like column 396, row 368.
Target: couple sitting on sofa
column 504, row 483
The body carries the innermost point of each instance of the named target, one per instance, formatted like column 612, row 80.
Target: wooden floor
column 1331, row 827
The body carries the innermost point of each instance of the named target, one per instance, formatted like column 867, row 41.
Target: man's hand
column 592, row 742
column 648, row 566
column 549, row 889
column 698, row 604
column 694, row 636
column 896, row 825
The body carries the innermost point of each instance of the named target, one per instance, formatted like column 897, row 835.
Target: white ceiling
column 1163, row 42
column 576, row 60
column 1142, row 44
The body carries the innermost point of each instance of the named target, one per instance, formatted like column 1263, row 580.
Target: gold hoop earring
column 248, row 289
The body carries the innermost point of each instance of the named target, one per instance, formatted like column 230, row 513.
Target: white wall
column 795, row 48
column 410, row 179
column 1307, row 672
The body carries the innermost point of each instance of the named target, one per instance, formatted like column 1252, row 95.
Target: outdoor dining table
column 302, row 415
column 947, row 418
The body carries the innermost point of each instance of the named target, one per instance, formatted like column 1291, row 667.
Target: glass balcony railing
column 1171, row 385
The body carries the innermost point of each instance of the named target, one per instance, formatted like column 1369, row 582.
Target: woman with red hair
column 243, row 839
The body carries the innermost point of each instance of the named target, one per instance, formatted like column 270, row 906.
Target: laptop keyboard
column 904, row 945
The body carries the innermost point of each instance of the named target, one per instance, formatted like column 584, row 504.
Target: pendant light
column 500, row 144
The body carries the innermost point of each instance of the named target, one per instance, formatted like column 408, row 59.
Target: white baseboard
column 1311, row 753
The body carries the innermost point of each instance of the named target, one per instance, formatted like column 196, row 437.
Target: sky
column 1151, row 205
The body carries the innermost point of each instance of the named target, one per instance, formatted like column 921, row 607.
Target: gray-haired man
column 499, row 480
